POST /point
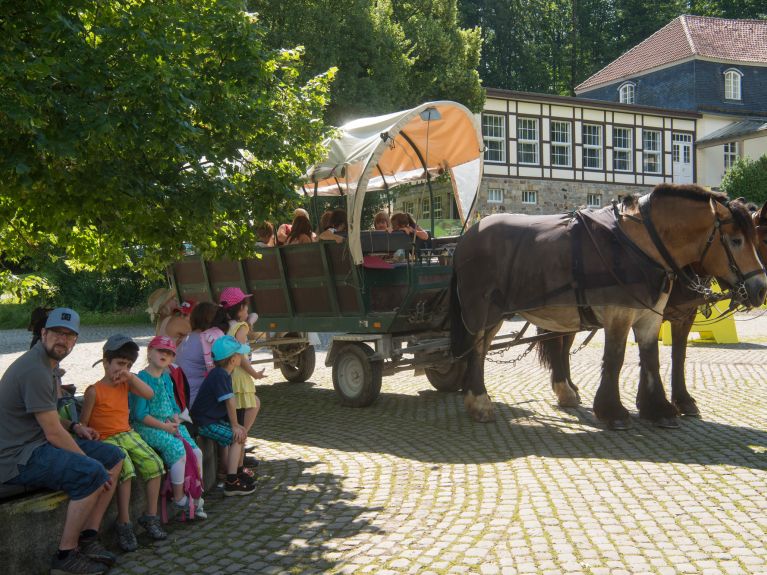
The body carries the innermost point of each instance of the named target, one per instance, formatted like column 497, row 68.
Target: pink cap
column 231, row 296
column 163, row 342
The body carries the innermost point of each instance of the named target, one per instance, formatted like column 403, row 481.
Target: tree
column 122, row 126
column 747, row 178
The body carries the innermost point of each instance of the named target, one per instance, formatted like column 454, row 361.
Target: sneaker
column 199, row 512
column 93, row 549
column 151, row 524
column 246, row 479
column 238, row 487
column 76, row 564
column 126, row 538
column 249, row 472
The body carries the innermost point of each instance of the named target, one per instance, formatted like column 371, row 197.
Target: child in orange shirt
column 105, row 409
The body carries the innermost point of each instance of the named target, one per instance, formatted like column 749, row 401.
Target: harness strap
column 644, row 209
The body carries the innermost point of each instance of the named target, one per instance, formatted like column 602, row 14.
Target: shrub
column 747, row 178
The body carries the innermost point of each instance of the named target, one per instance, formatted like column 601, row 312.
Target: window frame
column 436, row 207
column 600, row 148
column 492, row 201
column 526, row 141
column 527, row 202
column 567, row 146
column 593, row 204
column 623, row 93
column 658, row 153
column 734, row 78
column 495, row 139
column 732, row 154
column 628, row 151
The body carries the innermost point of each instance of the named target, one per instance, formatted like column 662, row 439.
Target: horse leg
column 607, row 400
column 682, row 400
column 651, row 396
column 554, row 353
column 476, row 400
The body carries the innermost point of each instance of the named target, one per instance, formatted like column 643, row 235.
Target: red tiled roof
column 685, row 37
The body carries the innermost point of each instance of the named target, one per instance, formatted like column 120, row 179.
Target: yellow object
column 709, row 329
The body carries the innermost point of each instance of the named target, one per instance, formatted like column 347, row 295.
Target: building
column 713, row 66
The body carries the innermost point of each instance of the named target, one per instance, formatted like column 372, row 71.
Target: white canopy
column 373, row 154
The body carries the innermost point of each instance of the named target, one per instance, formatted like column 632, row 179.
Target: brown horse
column 504, row 263
column 680, row 312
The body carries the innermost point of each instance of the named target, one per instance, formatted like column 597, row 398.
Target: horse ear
column 763, row 213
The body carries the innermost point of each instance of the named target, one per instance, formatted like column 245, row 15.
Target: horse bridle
column 695, row 283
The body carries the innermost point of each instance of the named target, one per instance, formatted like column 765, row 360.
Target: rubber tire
column 450, row 380
column 353, row 363
column 304, row 370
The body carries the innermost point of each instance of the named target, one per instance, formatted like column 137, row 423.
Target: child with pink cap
column 235, row 304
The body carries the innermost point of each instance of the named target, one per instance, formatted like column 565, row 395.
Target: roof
column 688, row 37
column 734, row 131
column 586, row 103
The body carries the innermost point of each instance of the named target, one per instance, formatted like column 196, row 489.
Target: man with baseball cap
column 36, row 447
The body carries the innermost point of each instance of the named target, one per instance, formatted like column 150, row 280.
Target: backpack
column 192, row 485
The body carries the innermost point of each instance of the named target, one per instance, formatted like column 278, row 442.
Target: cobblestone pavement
column 411, row 485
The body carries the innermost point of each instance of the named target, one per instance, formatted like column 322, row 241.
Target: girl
column 235, row 304
column 157, row 419
column 404, row 222
column 206, row 321
column 381, row 222
column 300, row 231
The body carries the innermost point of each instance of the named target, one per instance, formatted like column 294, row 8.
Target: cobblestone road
column 411, row 485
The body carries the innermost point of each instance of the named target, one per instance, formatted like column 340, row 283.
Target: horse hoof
column 687, row 409
column 480, row 407
column 667, row 423
column 566, row 395
column 619, row 424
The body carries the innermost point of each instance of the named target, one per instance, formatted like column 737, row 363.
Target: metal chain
column 511, row 362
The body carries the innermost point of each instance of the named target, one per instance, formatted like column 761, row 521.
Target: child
column 105, row 409
column 215, row 411
column 235, row 304
column 381, row 222
column 157, row 419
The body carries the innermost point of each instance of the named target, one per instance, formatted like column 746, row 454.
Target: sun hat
column 63, row 317
column 227, row 346
column 232, row 296
column 163, row 342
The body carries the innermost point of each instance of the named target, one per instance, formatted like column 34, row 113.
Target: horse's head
column 759, row 218
column 730, row 253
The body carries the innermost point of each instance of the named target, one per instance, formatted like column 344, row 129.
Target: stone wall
column 552, row 196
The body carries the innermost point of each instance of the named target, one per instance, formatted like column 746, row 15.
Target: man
column 36, row 447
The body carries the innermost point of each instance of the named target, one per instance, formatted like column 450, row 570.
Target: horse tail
column 461, row 341
column 549, row 350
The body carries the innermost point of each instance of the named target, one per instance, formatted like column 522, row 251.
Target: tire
column 356, row 379
column 448, row 378
column 299, row 368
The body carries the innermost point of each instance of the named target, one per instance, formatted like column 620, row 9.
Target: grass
column 16, row 316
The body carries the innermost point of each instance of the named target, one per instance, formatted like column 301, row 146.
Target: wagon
column 389, row 315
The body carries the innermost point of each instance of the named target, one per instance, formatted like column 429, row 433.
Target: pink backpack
column 207, row 338
column 193, row 487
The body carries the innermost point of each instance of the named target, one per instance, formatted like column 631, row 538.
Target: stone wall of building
column 551, row 196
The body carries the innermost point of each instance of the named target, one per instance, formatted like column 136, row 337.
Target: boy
column 106, row 410
column 215, row 412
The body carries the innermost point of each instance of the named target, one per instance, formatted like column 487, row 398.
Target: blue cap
column 64, row 317
column 227, row 346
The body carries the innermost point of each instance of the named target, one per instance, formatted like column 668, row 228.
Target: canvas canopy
column 374, row 154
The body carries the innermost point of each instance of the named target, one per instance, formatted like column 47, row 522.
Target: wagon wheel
column 356, row 379
column 447, row 377
column 296, row 367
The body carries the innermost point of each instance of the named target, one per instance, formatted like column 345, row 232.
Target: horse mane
column 741, row 215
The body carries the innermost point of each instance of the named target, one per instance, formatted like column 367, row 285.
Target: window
column 652, row 151
column 494, row 196
column 407, row 207
column 494, row 135
column 730, row 154
column 732, row 84
column 622, row 149
column 529, row 197
column 425, row 213
column 592, row 147
column 561, row 144
column 594, row 200
column 527, row 140
column 437, row 207
column 627, row 93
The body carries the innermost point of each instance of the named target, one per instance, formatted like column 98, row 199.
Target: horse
column 680, row 312
column 620, row 282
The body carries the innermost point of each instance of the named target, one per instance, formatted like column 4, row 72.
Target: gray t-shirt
column 27, row 387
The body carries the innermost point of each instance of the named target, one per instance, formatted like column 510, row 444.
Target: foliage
column 17, row 315
column 747, row 178
column 390, row 54
column 121, row 126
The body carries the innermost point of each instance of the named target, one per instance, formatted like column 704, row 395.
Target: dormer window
column 732, row 84
column 627, row 93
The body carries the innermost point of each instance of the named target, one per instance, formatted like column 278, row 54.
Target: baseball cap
column 116, row 342
column 64, row 317
column 227, row 346
column 163, row 342
column 231, row 296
